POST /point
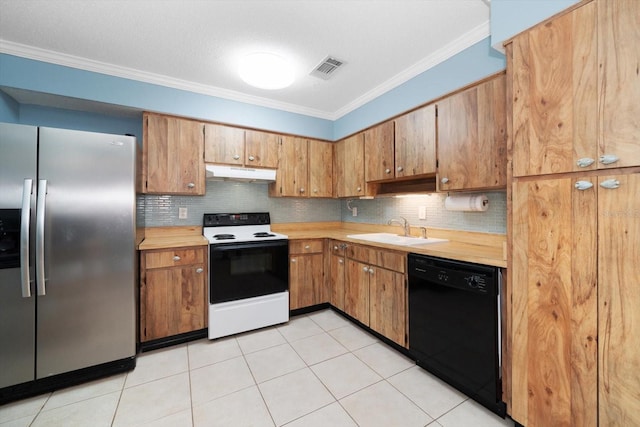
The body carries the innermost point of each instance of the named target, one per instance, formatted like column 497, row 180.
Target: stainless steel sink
column 395, row 239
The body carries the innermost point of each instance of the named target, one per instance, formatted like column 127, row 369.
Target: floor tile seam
column 206, row 402
column 322, row 361
column 37, row 414
column 84, row 399
column 319, row 409
column 373, row 368
column 322, row 327
column 157, row 379
column 452, row 409
column 409, row 398
column 190, row 386
column 305, row 337
column 264, row 401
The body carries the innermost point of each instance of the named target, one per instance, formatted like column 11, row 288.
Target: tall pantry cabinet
column 573, row 88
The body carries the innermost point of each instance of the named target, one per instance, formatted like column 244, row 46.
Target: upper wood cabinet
column 261, row 149
column 349, row 167
column 223, row 144
column 472, row 138
column 172, row 155
column 320, row 168
column 415, row 143
column 379, row 152
column 305, row 168
column 575, row 90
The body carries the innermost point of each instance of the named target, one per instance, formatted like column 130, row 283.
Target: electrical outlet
column 182, row 213
column 422, row 212
column 354, row 211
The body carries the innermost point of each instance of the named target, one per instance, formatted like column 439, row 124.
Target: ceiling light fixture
column 266, row 71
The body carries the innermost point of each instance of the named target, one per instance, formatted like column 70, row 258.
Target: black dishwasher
column 454, row 325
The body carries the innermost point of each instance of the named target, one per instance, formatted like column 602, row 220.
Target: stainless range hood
column 237, row 173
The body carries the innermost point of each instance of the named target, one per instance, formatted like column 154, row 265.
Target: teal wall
column 9, row 109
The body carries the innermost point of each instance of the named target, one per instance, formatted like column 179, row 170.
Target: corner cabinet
column 306, row 273
column 172, row 155
column 173, row 292
column 472, row 138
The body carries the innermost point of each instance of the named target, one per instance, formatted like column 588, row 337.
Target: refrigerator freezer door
column 18, row 145
column 87, row 316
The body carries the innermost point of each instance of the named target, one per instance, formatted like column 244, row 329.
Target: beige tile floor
column 317, row 370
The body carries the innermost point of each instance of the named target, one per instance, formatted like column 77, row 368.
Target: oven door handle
column 248, row 245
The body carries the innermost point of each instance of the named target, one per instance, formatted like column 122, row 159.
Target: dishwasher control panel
column 456, row 274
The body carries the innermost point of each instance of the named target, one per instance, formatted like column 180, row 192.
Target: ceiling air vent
column 327, row 68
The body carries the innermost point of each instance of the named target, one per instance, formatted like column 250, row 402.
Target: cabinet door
column 356, row 291
column 554, row 72
column 619, row 301
column 349, row 167
column 174, row 155
column 379, row 152
column 388, row 304
column 619, row 80
column 305, row 280
column 337, row 281
column 174, row 301
column 320, row 168
column 293, row 170
column 261, row 149
column 472, row 138
column 223, row 144
column 554, row 304
column 415, row 142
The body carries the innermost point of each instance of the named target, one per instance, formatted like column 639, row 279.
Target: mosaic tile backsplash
column 162, row 210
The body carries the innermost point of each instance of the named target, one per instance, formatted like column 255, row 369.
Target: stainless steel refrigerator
column 67, row 257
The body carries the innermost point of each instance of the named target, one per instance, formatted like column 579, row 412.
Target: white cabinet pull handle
column 585, row 162
column 610, row 184
column 199, row 270
column 583, row 185
column 251, row 158
column 607, row 159
column 236, row 156
column 176, row 258
column 191, row 185
column 444, row 180
column 387, row 171
column 400, row 168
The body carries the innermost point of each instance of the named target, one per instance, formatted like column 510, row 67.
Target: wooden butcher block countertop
column 172, row 237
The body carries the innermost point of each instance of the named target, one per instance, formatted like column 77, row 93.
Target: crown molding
column 468, row 39
column 456, row 46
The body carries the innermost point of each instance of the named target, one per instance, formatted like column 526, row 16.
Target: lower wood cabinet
column 337, row 276
column 173, row 292
column 306, row 273
column 376, row 290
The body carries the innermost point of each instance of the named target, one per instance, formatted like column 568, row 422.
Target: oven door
column 244, row 270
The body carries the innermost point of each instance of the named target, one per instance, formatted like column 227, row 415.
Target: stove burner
column 263, row 234
column 224, row 236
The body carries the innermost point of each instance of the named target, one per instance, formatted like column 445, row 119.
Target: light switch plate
column 422, row 212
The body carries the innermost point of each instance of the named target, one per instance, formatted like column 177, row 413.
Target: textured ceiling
column 195, row 44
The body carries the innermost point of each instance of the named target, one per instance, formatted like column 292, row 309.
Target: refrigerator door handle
column 40, row 277
column 24, row 238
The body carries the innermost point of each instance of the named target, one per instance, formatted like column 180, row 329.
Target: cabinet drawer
column 386, row 259
column 305, row 246
column 171, row 258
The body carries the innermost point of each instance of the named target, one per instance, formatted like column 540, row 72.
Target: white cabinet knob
column 236, row 156
column 251, row 158
column 191, row 185
column 585, row 162
column 302, row 190
column 335, row 248
column 315, row 190
column 371, row 270
column 365, row 269
column 610, row 184
column 199, row 270
column 444, row 180
column 176, row 258
column 583, row 185
column 340, row 261
column 359, row 189
column 307, row 247
column 607, row 159
column 387, row 171
column 293, row 260
column 400, row 169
